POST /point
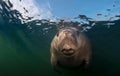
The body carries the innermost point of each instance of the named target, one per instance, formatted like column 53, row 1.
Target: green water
column 21, row 55
column 25, row 52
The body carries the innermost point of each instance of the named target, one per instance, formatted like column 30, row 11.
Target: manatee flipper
column 87, row 61
column 55, row 65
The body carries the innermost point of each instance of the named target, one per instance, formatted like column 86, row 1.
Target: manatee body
column 70, row 48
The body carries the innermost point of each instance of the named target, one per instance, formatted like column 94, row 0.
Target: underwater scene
column 27, row 28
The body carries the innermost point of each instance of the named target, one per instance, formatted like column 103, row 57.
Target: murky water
column 24, row 46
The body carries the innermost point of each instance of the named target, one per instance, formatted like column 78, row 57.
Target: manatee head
column 67, row 41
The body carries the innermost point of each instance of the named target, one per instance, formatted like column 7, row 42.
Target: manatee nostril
column 68, row 51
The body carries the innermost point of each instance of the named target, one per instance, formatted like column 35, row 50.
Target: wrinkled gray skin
column 70, row 48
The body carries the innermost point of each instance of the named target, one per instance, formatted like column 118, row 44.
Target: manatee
column 70, row 48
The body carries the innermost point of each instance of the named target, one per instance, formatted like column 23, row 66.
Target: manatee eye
column 57, row 34
column 77, row 32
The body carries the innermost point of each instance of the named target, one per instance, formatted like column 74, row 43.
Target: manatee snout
column 67, row 50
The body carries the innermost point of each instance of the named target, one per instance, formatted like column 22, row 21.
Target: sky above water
column 44, row 9
column 72, row 8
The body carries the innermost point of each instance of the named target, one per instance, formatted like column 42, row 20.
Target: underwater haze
column 26, row 33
